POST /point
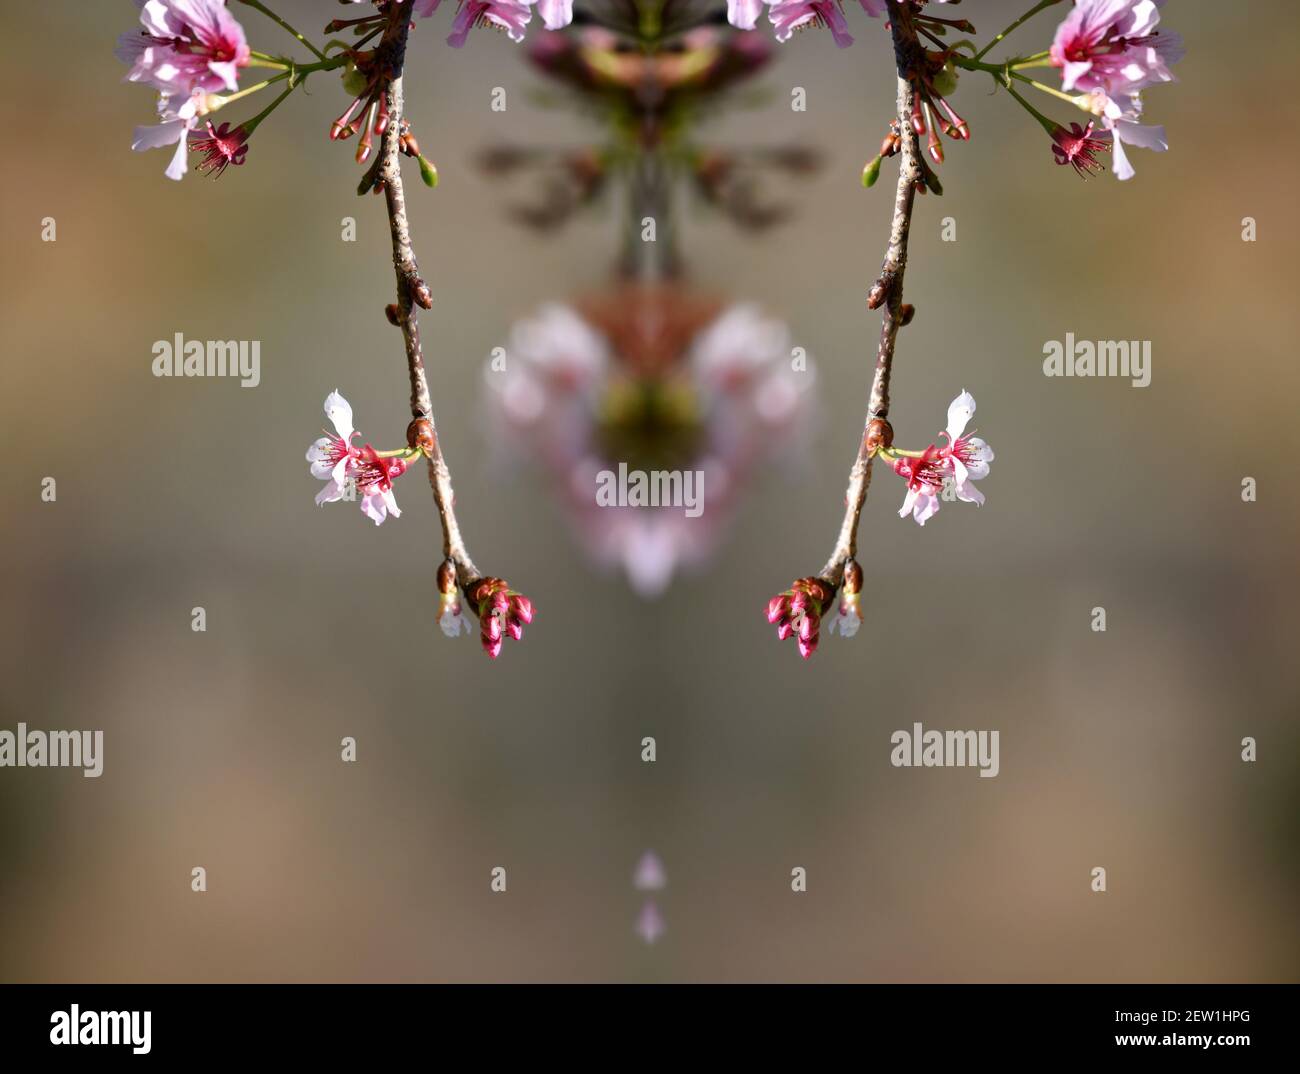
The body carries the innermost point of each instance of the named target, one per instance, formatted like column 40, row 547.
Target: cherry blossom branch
column 411, row 292
column 887, row 291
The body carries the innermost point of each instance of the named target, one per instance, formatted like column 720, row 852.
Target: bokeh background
column 222, row 748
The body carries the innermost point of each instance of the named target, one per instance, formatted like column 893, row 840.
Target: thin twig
column 889, row 285
column 411, row 290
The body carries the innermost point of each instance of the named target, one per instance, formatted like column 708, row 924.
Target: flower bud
column 446, row 577
column 852, row 577
column 393, row 314
column 871, row 172
column 354, row 82
column 420, row 434
column 944, row 81
column 428, row 172
column 879, row 434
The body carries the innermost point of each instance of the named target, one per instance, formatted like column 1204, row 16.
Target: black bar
column 975, row 1023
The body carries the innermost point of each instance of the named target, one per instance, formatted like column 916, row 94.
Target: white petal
column 978, row 450
column 908, row 501
column 329, row 493
column 927, row 506
column 390, row 501
column 1122, row 168
column 1145, row 137
column 373, row 507
column 960, row 411
column 156, row 137
column 339, row 411
column 176, row 169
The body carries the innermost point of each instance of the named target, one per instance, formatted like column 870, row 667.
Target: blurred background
column 1119, row 750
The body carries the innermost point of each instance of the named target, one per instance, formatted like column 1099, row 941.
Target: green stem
column 276, row 19
column 1023, row 18
column 1048, row 125
column 253, row 89
column 1046, row 89
column 1003, row 73
column 252, row 124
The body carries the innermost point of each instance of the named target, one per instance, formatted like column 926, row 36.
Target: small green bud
column 354, row 82
column 428, row 172
column 871, row 172
column 945, row 82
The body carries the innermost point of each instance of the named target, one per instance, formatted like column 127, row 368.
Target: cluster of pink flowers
column 192, row 50
column 187, row 50
column 787, row 16
column 335, row 459
column 1111, row 50
column 963, row 459
column 509, row 16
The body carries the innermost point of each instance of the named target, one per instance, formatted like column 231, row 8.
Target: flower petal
column 339, row 411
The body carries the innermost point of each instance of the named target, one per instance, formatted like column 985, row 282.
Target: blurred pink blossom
column 659, row 379
column 650, row 923
column 649, row 874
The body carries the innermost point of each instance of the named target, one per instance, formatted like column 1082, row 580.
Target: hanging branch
column 887, row 291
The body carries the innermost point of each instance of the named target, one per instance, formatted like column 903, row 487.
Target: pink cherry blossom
column 334, row 459
column 185, row 45
column 221, row 148
column 964, row 459
column 787, row 16
column 174, row 126
column 1113, row 45
column 512, row 16
column 1120, row 116
column 1078, row 148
